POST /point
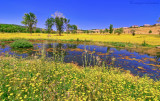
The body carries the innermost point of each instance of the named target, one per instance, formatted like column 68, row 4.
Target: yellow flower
column 11, row 94
column 36, row 95
column 1, row 94
column 25, row 96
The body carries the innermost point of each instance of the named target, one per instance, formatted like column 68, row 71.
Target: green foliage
column 10, row 28
column 101, row 31
column 106, row 30
column 118, row 44
column 2, row 43
column 49, row 24
column 21, row 43
column 150, row 31
column 144, row 43
column 119, row 31
column 73, row 28
column 133, row 32
column 38, row 30
column 121, row 44
column 59, row 21
column 111, row 29
column 29, row 20
column 67, row 25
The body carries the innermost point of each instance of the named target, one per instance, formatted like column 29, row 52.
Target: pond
column 90, row 55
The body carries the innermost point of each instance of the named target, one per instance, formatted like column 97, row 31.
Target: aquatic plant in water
column 21, row 44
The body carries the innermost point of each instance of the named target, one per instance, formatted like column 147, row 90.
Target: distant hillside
column 12, row 28
column 144, row 30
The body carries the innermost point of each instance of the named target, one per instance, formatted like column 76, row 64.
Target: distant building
column 146, row 25
column 125, row 27
column 79, row 31
column 95, row 30
column 157, row 24
column 135, row 26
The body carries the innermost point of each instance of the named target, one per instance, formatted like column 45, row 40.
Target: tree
column 73, row 28
column 101, row 31
column 133, row 32
column 150, row 31
column 67, row 25
column 106, row 30
column 60, row 22
column 119, row 31
column 111, row 29
column 49, row 24
column 38, row 30
column 29, row 20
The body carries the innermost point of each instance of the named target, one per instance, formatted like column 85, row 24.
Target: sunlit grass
column 137, row 39
column 22, row 79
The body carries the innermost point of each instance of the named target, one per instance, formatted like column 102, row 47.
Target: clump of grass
column 21, row 44
column 78, row 39
column 2, row 43
column 118, row 44
column 22, row 79
column 144, row 43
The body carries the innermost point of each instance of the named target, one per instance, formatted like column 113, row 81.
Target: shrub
column 3, row 44
column 38, row 31
column 78, row 39
column 150, row 31
column 133, row 32
column 119, row 31
column 21, row 44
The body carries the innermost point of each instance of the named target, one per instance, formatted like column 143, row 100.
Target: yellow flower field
column 37, row 80
column 137, row 39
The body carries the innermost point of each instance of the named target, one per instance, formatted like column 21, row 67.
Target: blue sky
column 86, row 14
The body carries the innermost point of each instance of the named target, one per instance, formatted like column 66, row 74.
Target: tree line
column 58, row 20
column 9, row 28
column 30, row 21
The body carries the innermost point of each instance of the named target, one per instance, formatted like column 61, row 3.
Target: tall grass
column 29, row 80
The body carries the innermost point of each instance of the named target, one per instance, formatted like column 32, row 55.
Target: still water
column 90, row 55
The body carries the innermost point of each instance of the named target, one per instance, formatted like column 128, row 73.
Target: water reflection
column 90, row 55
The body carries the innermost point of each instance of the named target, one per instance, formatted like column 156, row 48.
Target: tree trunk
column 31, row 31
column 59, row 33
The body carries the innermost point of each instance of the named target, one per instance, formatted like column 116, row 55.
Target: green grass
column 21, row 43
column 116, row 44
column 2, row 44
column 22, row 79
column 121, row 44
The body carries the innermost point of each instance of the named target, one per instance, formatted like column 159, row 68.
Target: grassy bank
column 124, row 38
column 22, row 79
